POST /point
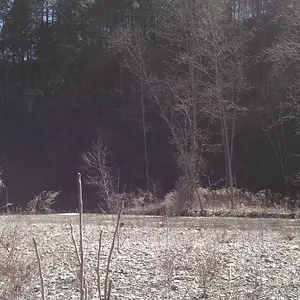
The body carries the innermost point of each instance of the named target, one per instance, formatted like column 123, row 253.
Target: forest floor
column 155, row 257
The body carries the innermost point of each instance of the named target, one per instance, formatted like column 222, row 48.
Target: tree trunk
column 225, row 136
column 194, row 100
column 144, row 134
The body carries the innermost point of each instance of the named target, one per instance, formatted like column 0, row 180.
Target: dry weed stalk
column 80, row 253
column 108, row 284
column 2, row 185
column 98, row 266
column 40, row 268
column 82, row 281
column 4, row 191
column 15, row 266
column 208, row 270
column 74, row 242
column 86, row 287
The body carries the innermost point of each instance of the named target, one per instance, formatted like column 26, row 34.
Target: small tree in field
column 99, row 173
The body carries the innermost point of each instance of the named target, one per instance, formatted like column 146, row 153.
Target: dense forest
column 197, row 91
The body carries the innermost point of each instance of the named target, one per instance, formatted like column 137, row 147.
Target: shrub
column 177, row 203
column 43, row 202
column 15, row 268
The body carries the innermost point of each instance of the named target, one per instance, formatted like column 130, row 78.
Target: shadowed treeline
column 176, row 91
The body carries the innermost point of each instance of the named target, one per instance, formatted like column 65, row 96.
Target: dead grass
column 209, row 268
column 217, row 203
column 182, row 250
column 17, row 267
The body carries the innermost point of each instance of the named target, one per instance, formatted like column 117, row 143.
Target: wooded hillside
column 182, row 93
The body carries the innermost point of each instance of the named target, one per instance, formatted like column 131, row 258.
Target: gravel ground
column 155, row 257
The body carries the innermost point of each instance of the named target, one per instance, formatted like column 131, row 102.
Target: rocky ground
column 155, row 257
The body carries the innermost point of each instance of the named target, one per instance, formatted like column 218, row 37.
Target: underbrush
column 262, row 204
column 192, row 255
column 17, row 265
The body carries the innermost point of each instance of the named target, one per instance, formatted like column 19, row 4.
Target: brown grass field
column 154, row 257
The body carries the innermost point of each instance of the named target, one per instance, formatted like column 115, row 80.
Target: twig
column 86, row 294
column 98, row 265
column 101, row 208
column 75, row 244
column 40, row 268
column 6, row 206
column 7, row 199
column 199, row 199
column 118, row 180
column 107, row 289
column 82, row 288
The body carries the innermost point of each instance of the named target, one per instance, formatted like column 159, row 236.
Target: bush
column 43, row 202
column 220, row 199
column 16, row 267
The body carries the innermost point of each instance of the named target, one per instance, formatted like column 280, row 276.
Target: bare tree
column 98, row 172
column 168, row 95
column 283, row 83
column 132, row 44
column 213, row 49
column 202, row 82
